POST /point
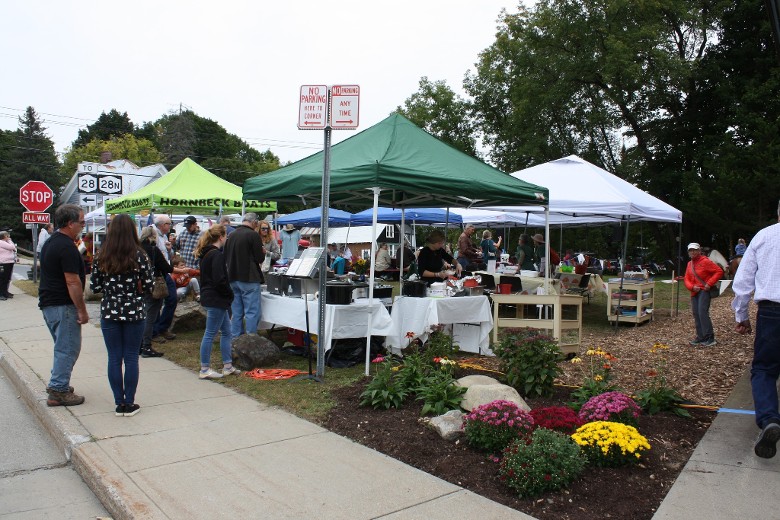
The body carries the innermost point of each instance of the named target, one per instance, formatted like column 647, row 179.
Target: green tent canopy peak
column 410, row 167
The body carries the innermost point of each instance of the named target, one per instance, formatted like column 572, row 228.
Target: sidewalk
column 724, row 478
column 200, row 450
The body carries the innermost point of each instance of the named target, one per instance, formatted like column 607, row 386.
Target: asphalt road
column 36, row 480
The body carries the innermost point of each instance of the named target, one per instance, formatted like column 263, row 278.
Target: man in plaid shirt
column 188, row 241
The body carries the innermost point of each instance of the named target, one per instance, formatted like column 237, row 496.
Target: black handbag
column 159, row 287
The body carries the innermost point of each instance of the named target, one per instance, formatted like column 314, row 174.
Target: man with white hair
column 758, row 275
column 244, row 256
column 225, row 221
column 162, row 224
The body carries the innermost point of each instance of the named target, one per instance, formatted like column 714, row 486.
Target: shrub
column 610, row 406
column 384, row 390
column 529, row 360
column 440, row 394
column 439, row 345
column 558, row 418
column 492, row 426
column 550, row 461
column 411, row 375
column 610, row 444
column 596, row 376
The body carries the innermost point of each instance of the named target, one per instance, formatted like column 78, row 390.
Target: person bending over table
column 434, row 261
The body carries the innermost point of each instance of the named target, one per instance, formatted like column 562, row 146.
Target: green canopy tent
column 410, row 167
column 395, row 164
column 188, row 188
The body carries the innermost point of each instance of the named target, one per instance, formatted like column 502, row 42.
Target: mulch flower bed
column 703, row 376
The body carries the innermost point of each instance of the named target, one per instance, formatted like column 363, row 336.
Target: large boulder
column 251, row 351
column 478, row 395
column 473, row 380
column 189, row 316
column 449, row 426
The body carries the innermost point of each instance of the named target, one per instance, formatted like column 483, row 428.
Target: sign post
column 36, row 197
column 327, row 108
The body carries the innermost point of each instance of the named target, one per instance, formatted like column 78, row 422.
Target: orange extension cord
column 272, row 374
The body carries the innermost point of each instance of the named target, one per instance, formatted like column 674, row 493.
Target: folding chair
column 582, row 288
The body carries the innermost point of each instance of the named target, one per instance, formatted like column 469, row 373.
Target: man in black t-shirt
column 61, row 300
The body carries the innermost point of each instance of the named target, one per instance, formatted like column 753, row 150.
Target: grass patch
column 28, row 286
column 304, row 398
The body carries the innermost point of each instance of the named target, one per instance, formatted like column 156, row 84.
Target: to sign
column 36, row 196
column 344, row 107
column 29, row 217
column 313, row 107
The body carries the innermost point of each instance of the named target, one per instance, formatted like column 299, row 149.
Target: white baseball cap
column 693, row 245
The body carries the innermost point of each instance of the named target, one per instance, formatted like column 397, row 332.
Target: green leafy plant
column 597, row 376
column 550, row 461
column 384, row 391
column 412, row 374
column 658, row 396
column 440, row 394
column 610, row 444
column 440, row 345
column 492, row 426
column 530, row 361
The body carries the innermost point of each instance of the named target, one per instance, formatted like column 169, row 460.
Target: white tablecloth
column 419, row 315
column 341, row 321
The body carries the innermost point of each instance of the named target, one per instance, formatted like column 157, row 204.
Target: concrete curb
column 114, row 488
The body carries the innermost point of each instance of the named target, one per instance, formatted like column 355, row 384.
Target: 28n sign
column 105, row 184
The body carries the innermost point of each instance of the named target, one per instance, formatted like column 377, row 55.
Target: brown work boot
column 168, row 335
column 64, row 399
column 49, row 390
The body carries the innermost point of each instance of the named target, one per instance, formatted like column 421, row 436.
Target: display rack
column 559, row 314
column 635, row 305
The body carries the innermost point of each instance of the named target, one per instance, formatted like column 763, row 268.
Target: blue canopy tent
column 312, row 217
column 417, row 215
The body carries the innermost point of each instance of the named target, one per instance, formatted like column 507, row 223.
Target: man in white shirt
column 759, row 274
column 44, row 235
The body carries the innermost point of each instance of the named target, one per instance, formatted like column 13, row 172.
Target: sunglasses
column 265, row 229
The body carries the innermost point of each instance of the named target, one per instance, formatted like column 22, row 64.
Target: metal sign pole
column 35, row 252
column 325, row 199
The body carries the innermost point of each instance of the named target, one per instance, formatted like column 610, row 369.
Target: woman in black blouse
column 121, row 271
column 433, row 261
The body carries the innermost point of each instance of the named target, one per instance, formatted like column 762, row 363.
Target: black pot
column 416, row 289
column 339, row 293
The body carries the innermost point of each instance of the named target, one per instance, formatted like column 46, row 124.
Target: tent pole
column 547, row 250
column 403, row 248
column 376, row 191
column 623, row 273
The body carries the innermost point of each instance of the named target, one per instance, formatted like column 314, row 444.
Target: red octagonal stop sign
column 36, row 196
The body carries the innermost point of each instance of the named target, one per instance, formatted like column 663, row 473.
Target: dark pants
column 700, row 306
column 152, row 307
column 5, row 278
column 166, row 316
column 766, row 364
column 122, row 341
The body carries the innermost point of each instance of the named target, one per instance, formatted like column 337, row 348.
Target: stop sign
column 36, row 196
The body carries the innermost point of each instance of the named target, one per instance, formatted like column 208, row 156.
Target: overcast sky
column 240, row 63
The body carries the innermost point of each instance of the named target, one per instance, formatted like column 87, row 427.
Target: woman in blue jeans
column 216, row 296
column 121, row 271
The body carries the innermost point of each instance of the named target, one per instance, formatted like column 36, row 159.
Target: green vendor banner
column 188, row 188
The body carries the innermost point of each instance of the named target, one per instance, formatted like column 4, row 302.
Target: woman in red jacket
column 701, row 275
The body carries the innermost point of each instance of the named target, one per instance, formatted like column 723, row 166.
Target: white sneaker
column 210, row 374
column 232, row 371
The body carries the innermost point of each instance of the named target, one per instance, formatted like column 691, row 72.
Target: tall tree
column 107, row 126
column 25, row 154
column 142, row 152
column 443, row 114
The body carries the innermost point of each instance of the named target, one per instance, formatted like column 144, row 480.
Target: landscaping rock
column 449, row 426
column 189, row 316
column 478, row 395
column 469, row 381
column 251, row 351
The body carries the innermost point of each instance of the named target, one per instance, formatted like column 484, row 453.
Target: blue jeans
column 766, row 364
column 700, row 306
column 123, row 339
column 66, row 332
column 246, row 305
column 166, row 316
column 216, row 320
